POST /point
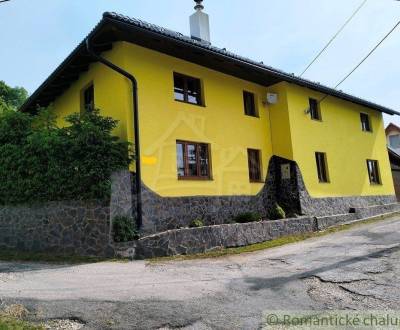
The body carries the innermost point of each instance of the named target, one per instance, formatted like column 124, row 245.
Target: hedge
column 42, row 162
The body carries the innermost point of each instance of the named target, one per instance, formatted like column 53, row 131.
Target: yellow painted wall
column 282, row 129
column 280, row 123
column 112, row 94
column 221, row 123
column 347, row 147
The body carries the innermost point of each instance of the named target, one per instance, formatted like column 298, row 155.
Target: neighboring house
column 393, row 142
column 220, row 134
column 393, row 137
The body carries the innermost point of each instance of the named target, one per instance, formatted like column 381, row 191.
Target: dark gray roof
column 176, row 44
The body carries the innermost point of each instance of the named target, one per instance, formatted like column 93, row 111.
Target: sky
column 37, row 35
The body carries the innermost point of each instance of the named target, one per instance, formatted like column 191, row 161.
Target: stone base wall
column 82, row 228
column 200, row 240
column 287, row 189
column 167, row 213
column 64, row 228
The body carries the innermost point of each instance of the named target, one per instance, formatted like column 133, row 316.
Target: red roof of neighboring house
column 391, row 127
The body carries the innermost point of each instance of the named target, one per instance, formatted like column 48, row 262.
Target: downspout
column 138, row 176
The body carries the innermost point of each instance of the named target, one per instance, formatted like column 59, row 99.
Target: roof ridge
column 277, row 74
column 114, row 15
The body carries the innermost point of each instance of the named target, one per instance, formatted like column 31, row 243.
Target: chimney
column 200, row 24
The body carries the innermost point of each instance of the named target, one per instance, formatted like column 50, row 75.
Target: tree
column 11, row 97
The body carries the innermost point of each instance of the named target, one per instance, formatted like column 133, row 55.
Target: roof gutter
column 138, row 173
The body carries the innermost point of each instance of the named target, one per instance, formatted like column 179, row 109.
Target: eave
column 114, row 27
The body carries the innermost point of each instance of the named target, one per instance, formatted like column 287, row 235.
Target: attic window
column 249, row 104
column 365, row 122
column 315, row 111
column 187, row 89
column 88, row 98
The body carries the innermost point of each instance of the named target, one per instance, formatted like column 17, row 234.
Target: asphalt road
column 356, row 269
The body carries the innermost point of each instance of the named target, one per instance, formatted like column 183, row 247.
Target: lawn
column 8, row 323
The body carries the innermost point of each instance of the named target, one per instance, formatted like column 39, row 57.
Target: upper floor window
column 249, row 104
column 322, row 168
column 193, row 161
column 315, row 111
column 88, row 98
column 373, row 171
column 365, row 122
column 187, row 89
column 254, row 162
column 394, row 141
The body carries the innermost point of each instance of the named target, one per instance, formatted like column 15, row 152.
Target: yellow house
column 217, row 134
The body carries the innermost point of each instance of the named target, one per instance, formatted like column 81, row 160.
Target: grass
column 11, row 319
column 9, row 323
column 268, row 244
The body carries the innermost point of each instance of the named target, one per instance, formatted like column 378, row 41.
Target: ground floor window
column 193, row 160
column 322, row 168
column 254, row 161
column 373, row 171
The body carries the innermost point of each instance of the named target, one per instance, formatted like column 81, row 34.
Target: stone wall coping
column 226, row 225
column 375, row 206
column 334, row 215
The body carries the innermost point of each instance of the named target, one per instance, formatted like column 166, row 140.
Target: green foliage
column 124, row 229
column 197, row 223
column 12, row 97
column 247, row 217
column 277, row 213
column 41, row 162
column 9, row 323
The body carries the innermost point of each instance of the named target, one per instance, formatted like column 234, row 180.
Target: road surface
column 354, row 269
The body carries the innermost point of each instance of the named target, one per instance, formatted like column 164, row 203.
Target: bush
column 247, row 217
column 42, row 162
column 277, row 213
column 124, row 229
column 196, row 223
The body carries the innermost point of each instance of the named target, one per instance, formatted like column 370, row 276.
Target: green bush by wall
column 42, row 162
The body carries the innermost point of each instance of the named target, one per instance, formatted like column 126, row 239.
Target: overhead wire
column 334, row 37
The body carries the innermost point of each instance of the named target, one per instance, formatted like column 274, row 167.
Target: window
column 254, row 161
column 365, row 123
column 187, row 89
column 249, row 104
column 394, row 141
column 322, row 169
column 88, row 98
column 315, row 112
column 373, row 171
column 193, row 161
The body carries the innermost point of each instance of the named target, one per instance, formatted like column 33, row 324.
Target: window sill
column 324, row 182
column 317, row 120
column 376, row 184
column 195, row 104
column 370, row 132
column 194, row 178
column 257, row 181
column 255, row 116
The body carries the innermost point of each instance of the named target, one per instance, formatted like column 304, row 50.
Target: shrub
column 247, row 217
column 42, row 162
column 196, row 223
column 277, row 213
column 124, row 229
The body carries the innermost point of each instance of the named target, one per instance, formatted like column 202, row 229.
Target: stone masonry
column 67, row 227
